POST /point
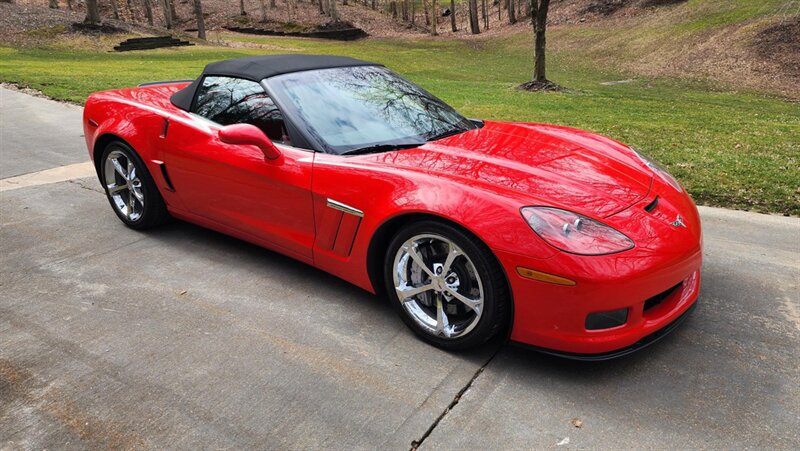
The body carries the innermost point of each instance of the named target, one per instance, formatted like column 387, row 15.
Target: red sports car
column 568, row 241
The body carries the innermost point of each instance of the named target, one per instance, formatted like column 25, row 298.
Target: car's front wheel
column 130, row 188
column 446, row 285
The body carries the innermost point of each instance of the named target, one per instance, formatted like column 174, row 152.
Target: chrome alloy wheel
column 123, row 185
column 438, row 286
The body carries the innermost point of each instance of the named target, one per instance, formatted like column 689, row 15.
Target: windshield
column 354, row 108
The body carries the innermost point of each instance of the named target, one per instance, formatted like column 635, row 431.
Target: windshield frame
column 280, row 97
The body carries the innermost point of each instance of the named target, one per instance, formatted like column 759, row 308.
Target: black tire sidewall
column 495, row 290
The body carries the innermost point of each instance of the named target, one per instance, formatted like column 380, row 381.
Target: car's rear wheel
column 446, row 285
column 130, row 189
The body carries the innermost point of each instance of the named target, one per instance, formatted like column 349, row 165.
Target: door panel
column 236, row 186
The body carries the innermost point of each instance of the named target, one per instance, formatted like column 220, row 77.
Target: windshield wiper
column 447, row 133
column 381, row 148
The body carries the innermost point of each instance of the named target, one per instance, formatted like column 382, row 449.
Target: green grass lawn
column 739, row 150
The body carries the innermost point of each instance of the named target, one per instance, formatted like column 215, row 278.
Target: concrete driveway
column 184, row 338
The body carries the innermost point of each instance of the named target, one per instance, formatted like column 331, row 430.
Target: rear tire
column 460, row 299
column 130, row 188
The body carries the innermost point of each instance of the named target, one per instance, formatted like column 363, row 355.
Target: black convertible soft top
column 257, row 68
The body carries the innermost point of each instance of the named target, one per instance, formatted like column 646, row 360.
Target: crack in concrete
column 417, row 443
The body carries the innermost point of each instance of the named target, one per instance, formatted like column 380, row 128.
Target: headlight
column 575, row 233
column 666, row 176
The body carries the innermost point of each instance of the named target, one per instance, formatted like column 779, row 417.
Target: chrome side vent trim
column 336, row 205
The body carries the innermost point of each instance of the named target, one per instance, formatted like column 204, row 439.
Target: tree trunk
column 474, row 22
column 413, row 12
column 201, row 22
column 427, row 16
column 148, row 11
column 374, row 5
column 434, row 17
column 512, row 16
column 272, row 4
column 172, row 11
column 167, row 15
column 53, row 4
column 263, row 5
column 453, row 15
column 334, row 13
column 485, row 8
column 69, row 5
column 92, row 14
column 539, row 29
column 115, row 9
column 242, row 12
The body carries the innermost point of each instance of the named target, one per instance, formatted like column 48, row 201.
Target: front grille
column 660, row 297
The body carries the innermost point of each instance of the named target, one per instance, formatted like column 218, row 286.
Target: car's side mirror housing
column 248, row 134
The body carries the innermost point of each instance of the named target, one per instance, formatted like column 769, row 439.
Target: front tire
column 446, row 285
column 130, row 188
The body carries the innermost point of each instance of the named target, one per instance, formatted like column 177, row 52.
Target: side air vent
column 165, row 128
column 164, row 173
column 651, row 206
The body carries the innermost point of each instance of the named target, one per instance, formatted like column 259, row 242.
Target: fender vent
column 164, row 173
column 165, row 128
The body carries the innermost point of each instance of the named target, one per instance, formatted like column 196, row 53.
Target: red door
column 237, row 187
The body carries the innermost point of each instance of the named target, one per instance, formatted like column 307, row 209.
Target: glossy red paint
column 478, row 179
column 247, row 134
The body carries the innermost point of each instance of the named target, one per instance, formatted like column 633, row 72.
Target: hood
column 541, row 164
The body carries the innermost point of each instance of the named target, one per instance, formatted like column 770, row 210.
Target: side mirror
column 249, row 134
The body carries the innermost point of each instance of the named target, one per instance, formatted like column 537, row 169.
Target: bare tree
column 485, row 9
column 539, row 81
column 434, row 17
column 332, row 12
column 167, row 15
column 115, row 9
column 92, row 14
column 273, row 4
column 263, row 4
column 474, row 23
column 148, row 11
column 201, row 21
column 172, row 11
column 242, row 12
column 453, row 15
column 53, row 4
column 512, row 16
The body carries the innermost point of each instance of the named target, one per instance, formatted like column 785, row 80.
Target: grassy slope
column 739, row 150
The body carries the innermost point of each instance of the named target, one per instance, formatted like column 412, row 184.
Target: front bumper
column 642, row 343
column 657, row 283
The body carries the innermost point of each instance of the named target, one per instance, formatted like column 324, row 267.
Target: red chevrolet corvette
column 568, row 241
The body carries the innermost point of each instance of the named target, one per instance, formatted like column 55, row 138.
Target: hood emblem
column 678, row 222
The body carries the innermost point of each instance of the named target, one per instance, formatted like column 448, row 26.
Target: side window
column 227, row 100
